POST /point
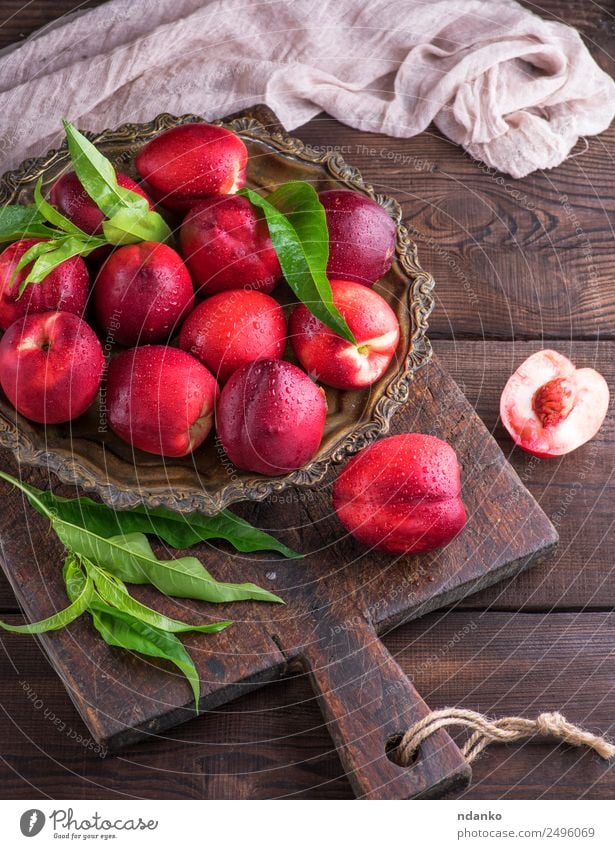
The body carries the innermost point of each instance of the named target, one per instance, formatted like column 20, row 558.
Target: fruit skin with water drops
column 271, row 417
column 402, row 494
column 191, row 162
column 226, row 245
column 160, row 400
column 232, row 329
column 51, row 366
column 71, row 199
column 65, row 288
column 335, row 361
column 361, row 236
column 142, row 293
column 550, row 408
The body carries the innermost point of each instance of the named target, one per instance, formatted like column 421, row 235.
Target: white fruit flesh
column 368, row 357
column 582, row 411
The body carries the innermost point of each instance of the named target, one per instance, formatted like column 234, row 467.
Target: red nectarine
column 549, row 407
column 71, row 199
column 402, row 494
column 270, row 417
column 142, row 293
column 192, row 161
column 361, row 236
column 335, row 361
column 231, row 329
column 51, row 365
column 65, row 288
column 226, row 245
column 160, row 400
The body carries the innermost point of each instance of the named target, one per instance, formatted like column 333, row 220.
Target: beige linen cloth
column 514, row 90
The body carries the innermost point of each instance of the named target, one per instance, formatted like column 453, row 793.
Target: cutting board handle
column 367, row 702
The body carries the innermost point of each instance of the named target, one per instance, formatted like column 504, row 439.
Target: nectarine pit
column 553, row 401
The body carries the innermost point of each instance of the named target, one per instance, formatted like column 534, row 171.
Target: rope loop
column 508, row 729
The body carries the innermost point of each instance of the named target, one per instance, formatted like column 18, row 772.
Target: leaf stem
column 28, row 493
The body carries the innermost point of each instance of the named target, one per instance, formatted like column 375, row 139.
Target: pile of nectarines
column 197, row 338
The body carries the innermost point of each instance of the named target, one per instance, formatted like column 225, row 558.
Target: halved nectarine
column 549, row 407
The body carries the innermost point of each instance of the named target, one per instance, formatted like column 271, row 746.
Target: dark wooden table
column 520, row 265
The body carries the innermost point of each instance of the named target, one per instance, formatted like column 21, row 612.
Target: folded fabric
column 514, row 90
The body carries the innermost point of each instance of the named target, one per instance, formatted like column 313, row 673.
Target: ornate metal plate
column 85, row 452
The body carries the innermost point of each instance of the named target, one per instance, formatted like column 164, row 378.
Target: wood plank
column 273, row 742
column 576, row 491
column 140, row 698
column 522, row 664
column 18, row 20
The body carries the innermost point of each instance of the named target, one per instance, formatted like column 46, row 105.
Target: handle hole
column 392, row 752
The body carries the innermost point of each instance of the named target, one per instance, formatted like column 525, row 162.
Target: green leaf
column 51, row 214
column 97, row 176
column 177, row 529
column 74, row 576
column 126, row 227
column 184, row 531
column 114, row 592
column 298, row 228
column 29, row 256
column 79, row 605
column 130, row 557
column 19, row 221
column 120, row 629
column 58, row 251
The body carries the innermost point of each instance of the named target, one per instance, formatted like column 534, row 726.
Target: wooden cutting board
column 339, row 598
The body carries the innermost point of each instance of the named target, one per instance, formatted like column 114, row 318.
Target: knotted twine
column 508, row 729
